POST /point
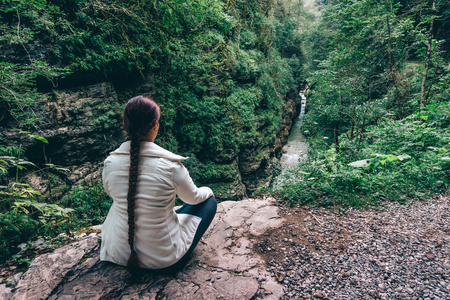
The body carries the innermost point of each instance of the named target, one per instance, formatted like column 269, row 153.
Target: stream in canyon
column 296, row 148
column 295, row 151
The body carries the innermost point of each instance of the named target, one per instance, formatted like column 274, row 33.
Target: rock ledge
column 224, row 265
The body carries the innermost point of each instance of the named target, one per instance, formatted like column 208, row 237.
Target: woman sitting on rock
column 142, row 229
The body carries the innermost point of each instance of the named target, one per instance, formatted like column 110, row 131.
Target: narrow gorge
column 86, row 125
column 296, row 149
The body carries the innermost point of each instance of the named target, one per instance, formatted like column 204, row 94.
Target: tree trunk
column 389, row 50
column 423, row 95
column 392, row 68
column 354, row 120
column 336, row 136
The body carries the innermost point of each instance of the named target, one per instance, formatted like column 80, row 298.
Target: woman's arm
column 105, row 172
column 185, row 187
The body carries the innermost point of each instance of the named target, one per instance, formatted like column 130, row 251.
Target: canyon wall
column 85, row 125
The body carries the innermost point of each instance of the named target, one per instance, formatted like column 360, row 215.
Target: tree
column 423, row 94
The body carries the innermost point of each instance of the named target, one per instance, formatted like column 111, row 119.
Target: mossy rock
column 228, row 191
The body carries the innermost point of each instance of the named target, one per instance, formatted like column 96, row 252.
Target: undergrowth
column 395, row 161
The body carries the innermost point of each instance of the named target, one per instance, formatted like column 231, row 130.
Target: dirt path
column 399, row 252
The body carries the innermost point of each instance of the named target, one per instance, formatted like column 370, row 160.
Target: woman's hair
column 140, row 116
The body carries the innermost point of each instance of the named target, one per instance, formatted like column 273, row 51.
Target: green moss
column 56, row 191
column 87, row 256
column 90, row 203
column 211, row 172
column 87, row 230
column 227, row 191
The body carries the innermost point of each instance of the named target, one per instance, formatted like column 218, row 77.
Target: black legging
column 206, row 211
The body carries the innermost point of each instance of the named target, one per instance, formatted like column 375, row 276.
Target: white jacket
column 161, row 237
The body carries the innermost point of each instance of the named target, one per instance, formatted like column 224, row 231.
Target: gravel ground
column 398, row 252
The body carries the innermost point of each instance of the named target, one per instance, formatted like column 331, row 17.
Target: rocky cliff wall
column 85, row 125
column 257, row 170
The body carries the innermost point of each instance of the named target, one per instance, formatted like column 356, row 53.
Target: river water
column 296, row 149
column 294, row 152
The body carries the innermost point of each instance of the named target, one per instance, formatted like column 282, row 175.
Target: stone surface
column 86, row 123
column 83, row 125
column 224, row 265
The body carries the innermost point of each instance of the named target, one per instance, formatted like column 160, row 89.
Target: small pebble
column 364, row 253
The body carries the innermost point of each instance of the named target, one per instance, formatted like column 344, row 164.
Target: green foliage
column 22, row 23
column 89, row 204
column 107, row 116
column 18, row 88
column 398, row 160
column 123, row 37
column 221, row 93
column 10, row 157
column 218, row 173
column 25, row 214
column 366, row 73
column 23, row 217
column 219, row 70
column 369, row 138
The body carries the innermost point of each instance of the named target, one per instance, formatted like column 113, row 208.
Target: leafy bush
column 397, row 161
column 89, row 204
column 23, row 217
column 25, row 214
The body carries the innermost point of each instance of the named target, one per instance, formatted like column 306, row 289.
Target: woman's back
column 161, row 237
column 142, row 229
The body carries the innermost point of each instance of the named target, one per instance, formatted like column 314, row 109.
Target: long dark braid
column 140, row 116
column 132, row 264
